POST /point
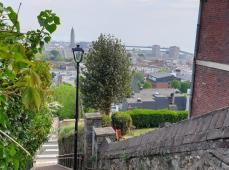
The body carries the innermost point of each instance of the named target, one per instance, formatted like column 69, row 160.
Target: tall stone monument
column 72, row 39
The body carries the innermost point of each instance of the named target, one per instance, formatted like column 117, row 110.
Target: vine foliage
column 24, row 87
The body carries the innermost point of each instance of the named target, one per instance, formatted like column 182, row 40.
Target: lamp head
column 78, row 53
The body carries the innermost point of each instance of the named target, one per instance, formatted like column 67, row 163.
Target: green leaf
column 31, row 98
column 1, row 7
column 2, row 98
column 57, row 20
column 2, row 153
column 16, row 164
column 12, row 151
column 3, row 165
column 42, row 44
column 47, row 39
column 3, row 118
column 17, row 26
column 13, row 18
column 51, row 28
column 40, row 20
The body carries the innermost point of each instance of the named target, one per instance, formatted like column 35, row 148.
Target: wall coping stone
column 96, row 115
column 104, row 131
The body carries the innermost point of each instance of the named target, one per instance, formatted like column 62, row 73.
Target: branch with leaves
column 24, row 86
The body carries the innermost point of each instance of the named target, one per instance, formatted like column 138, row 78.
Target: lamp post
column 78, row 53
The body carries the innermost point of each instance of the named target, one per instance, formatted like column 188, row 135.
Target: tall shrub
column 24, row 87
column 121, row 120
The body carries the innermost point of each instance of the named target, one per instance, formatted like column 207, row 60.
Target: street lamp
column 78, row 53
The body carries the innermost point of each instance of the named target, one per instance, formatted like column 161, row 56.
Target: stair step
column 51, row 150
column 52, row 141
column 45, row 162
column 50, row 145
column 49, row 153
column 48, row 156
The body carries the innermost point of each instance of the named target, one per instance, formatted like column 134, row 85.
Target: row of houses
column 162, row 98
column 163, row 80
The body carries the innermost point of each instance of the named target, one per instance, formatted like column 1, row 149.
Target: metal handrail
column 67, row 160
column 14, row 141
column 69, row 154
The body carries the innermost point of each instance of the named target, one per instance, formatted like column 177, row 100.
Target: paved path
column 46, row 159
column 52, row 167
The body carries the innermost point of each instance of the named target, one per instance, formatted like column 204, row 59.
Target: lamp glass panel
column 78, row 55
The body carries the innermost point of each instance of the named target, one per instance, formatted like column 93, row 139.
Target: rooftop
column 148, row 94
column 161, row 75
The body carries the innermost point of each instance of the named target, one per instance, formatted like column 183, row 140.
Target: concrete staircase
column 48, row 152
column 47, row 155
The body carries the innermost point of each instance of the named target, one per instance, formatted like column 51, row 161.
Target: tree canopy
column 65, row 95
column 107, row 75
column 182, row 86
column 54, row 55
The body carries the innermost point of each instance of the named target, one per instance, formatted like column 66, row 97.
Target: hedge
column 143, row 118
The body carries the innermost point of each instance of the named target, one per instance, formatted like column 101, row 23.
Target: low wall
column 67, row 122
column 199, row 143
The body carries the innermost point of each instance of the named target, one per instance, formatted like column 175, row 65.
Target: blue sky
column 136, row 22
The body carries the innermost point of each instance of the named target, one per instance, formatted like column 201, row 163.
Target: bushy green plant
column 147, row 85
column 24, row 87
column 182, row 86
column 106, row 120
column 121, row 120
column 69, row 130
column 66, row 138
column 143, row 118
column 65, row 95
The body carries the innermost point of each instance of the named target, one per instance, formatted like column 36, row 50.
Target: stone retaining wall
column 201, row 142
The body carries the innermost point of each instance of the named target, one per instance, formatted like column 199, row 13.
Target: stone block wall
column 91, row 120
column 198, row 143
column 101, row 137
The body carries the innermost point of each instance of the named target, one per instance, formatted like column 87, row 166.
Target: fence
column 67, row 160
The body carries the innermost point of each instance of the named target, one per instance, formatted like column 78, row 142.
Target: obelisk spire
column 72, row 38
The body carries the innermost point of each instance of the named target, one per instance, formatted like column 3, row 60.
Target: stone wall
column 91, row 121
column 198, row 143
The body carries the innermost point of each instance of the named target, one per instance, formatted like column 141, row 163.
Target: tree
column 55, row 55
column 139, row 81
column 176, row 84
column 182, row 86
column 65, row 95
column 107, row 75
column 185, row 86
column 139, row 76
column 147, row 85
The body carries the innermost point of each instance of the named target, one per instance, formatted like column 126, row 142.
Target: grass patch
column 68, row 130
column 137, row 132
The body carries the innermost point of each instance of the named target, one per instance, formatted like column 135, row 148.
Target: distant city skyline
column 135, row 22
